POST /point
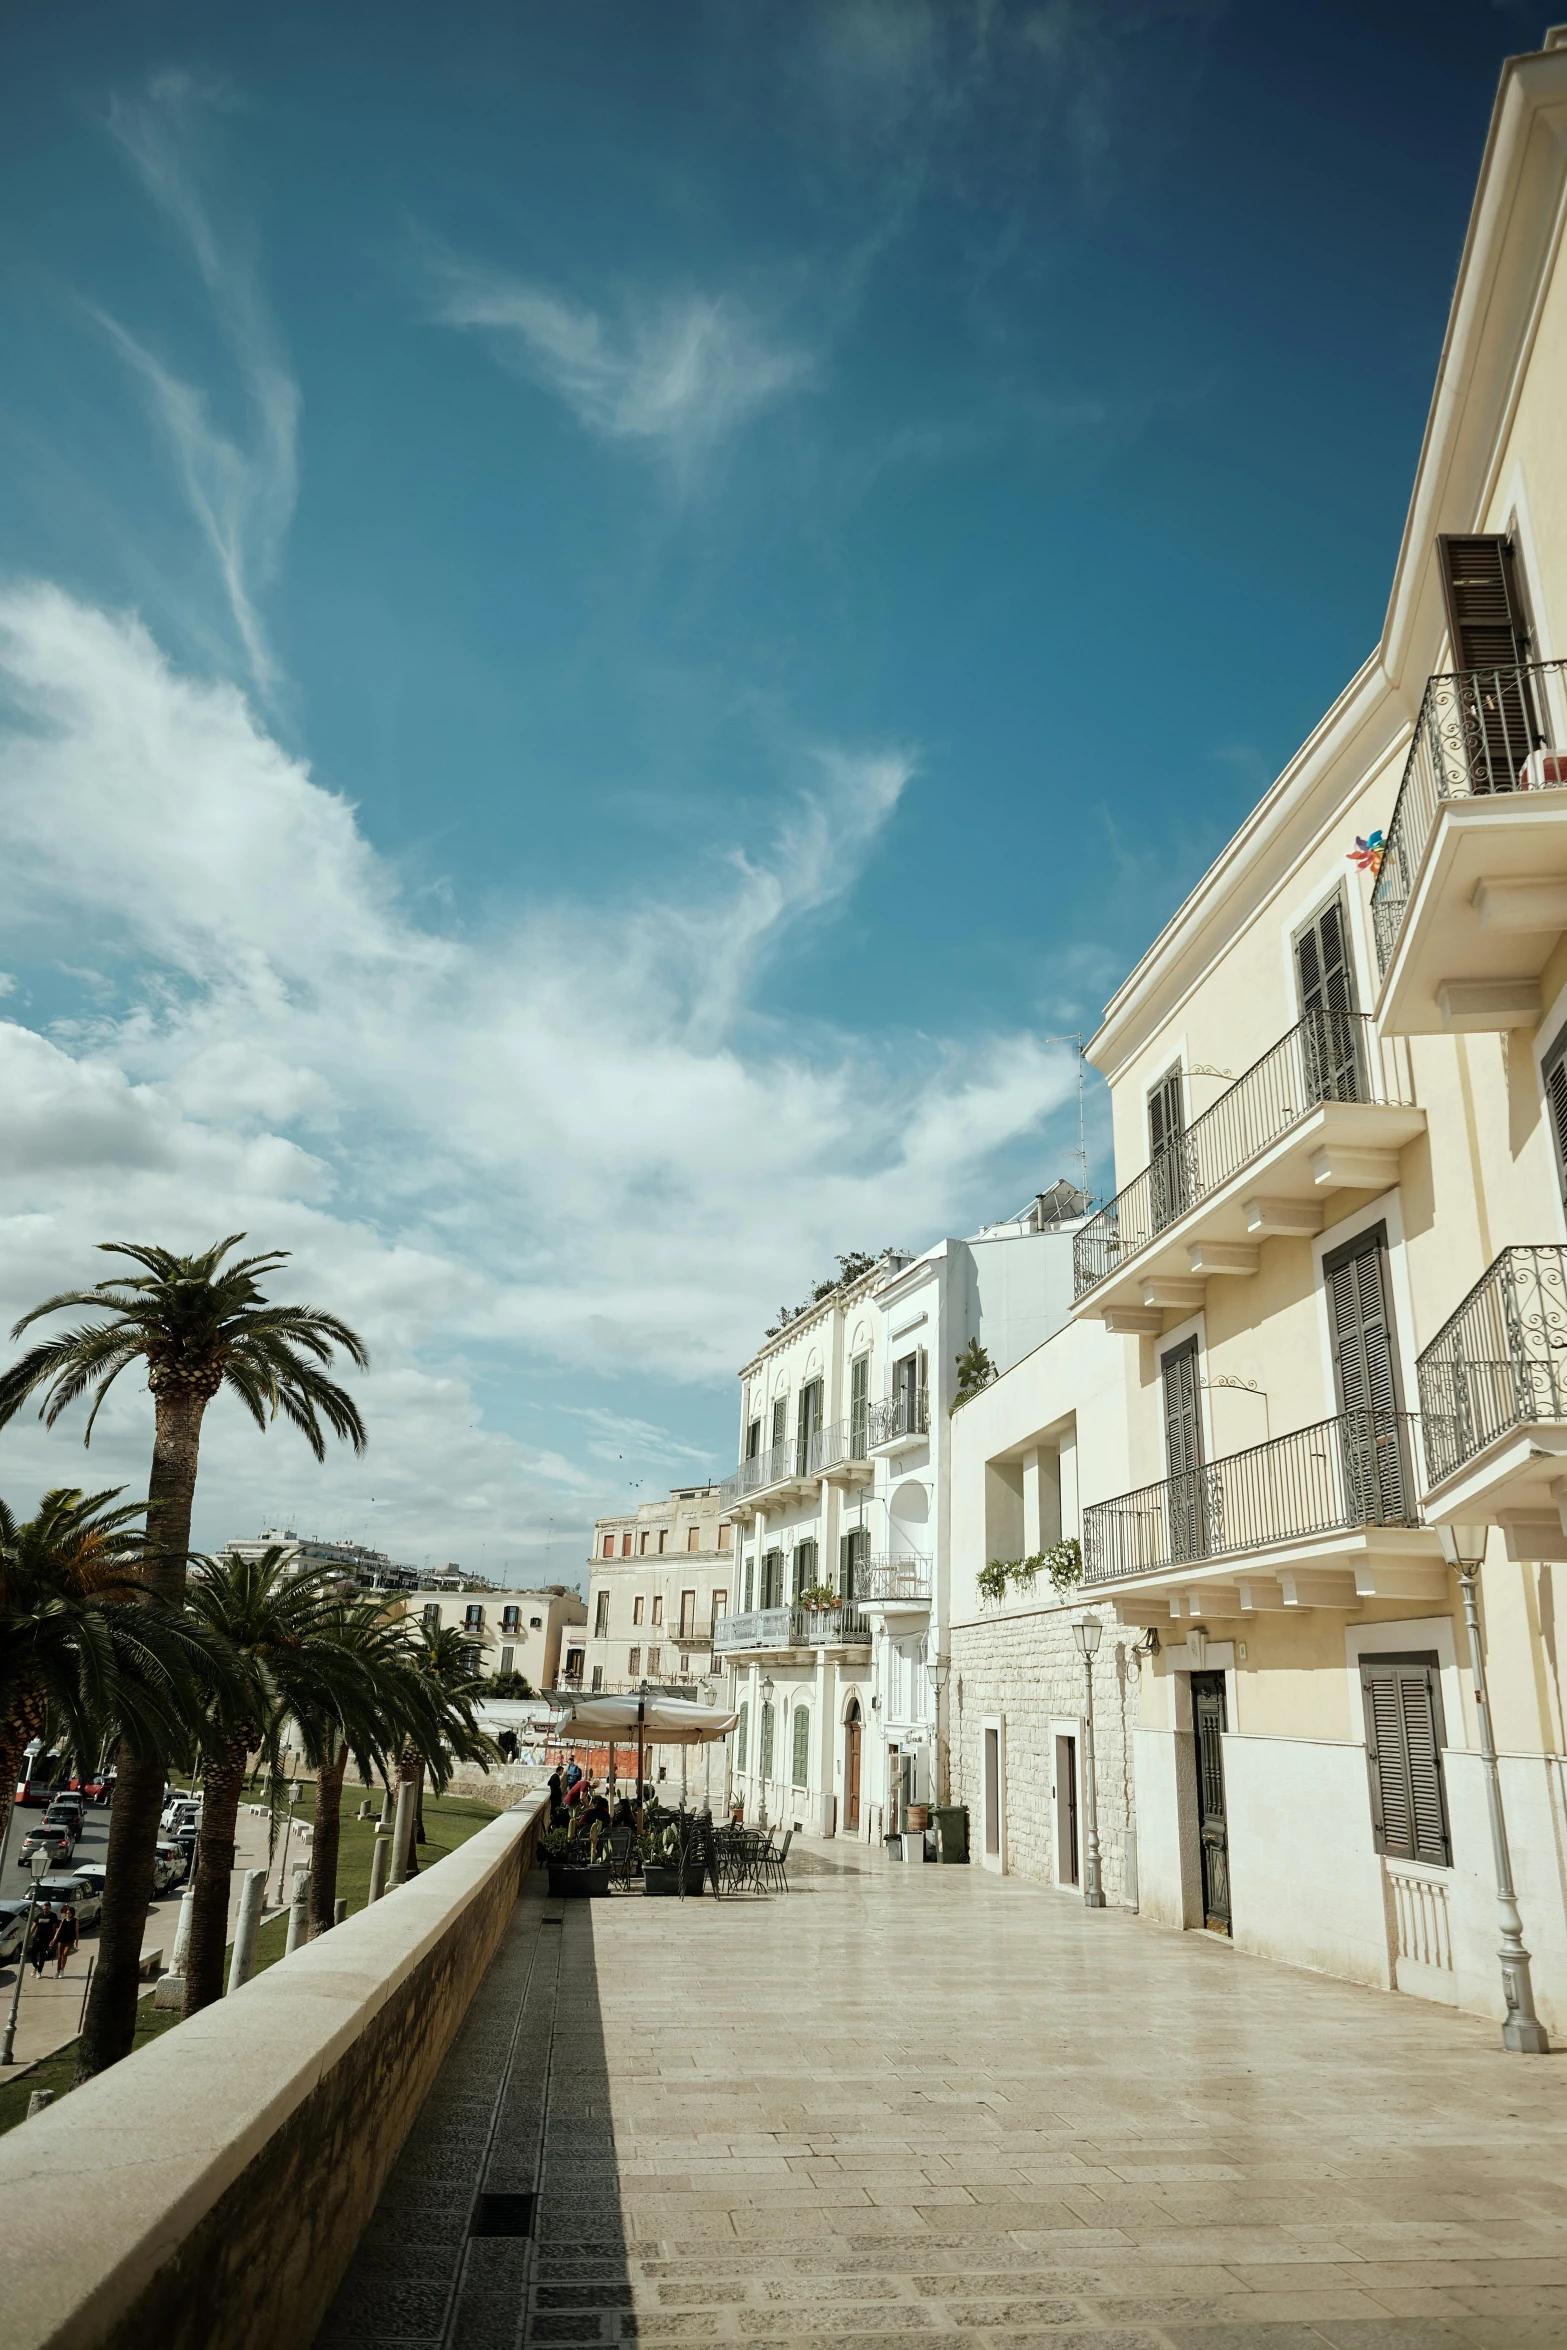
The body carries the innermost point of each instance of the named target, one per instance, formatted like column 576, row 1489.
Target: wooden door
column 851, row 1767
column 1212, row 1825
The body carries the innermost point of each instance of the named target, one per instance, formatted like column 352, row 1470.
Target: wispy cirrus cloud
column 675, row 373
column 240, row 486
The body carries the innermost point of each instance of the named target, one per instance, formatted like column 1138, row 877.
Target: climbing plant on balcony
column 1061, row 1565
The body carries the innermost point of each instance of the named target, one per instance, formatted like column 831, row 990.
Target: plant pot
column 656, row 1878
column 578, row 1883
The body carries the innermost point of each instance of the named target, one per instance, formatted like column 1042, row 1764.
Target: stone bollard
column 380, row 1859
column 386, row 1807
column 299, row 1912
column 170, row 1990
column 364, row 1809
column 247, row 1924
column 38, row 2100
column 340, row 1910
column 402, row 1832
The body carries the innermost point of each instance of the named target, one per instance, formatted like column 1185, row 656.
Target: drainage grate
column 560, row 1921
column 502, row 2215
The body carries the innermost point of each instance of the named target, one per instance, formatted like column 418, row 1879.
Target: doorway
column 851, row 1767
column 993, row 1793
column 1067, row 1870
column 1208, row 1724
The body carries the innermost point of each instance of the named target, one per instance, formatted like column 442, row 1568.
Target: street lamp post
column 938, row 1668
column 1088, row 1634
column 39, row 1866
column 1463, row 1547
column 761, row 1754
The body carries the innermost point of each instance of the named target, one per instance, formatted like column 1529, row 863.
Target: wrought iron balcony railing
column 1327, row 1057
column 776, row 1466
column 1344, row 1473
column 879, row 1579
column 830, row 1448
column 1500, row 1362
column 790, row 1627
column 1480, row 732
column 906, row 1413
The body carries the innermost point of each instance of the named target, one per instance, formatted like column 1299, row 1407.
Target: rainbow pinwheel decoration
column 1367, row 854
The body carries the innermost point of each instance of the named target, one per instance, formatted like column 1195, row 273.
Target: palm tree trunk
column 419, row 1835
column 324, row 1844
column 410, row 1766
column 109, row 2027
column 209, row 1917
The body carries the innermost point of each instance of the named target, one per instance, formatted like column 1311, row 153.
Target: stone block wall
column 1021, row 1664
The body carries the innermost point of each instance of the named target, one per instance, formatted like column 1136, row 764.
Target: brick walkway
column 903, row 2107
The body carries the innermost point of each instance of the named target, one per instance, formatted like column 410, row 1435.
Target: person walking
column 66, row 1936
column 41, row 1940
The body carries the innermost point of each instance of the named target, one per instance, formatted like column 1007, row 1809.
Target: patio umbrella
column 667, row 1721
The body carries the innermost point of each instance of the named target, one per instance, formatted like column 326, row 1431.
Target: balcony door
column 809, row 1427
column 780, row 1424
column 1329, row 1032
column 1212, row 1817
column 772, row 1578
column 1183, row 1451
column 1377, row 1490
column 851, row 1767
column 1489, row 631
column 852, row 1549
column 1168, row 1172
column 859, row 1405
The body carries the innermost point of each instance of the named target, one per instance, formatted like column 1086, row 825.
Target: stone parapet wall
column 1022, row 1665
column 230, row 2167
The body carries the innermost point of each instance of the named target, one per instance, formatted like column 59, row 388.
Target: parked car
column 13, row 1929
column 168, row 1865
column 59, row 1842
column 65, row 1811
column 78, row 1889
column 95, row 1874
column 96, row 1787
column 181, row 1811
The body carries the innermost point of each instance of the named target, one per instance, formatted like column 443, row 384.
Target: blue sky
column 610, row 615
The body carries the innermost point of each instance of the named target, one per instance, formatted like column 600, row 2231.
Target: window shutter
column 1485, row 617
column 1554, row 1076
column 767, row 1738
column 741, row 1727
column 1404, row 1733
column 1366, row 1376
column 802, row 1744
column 1166, row 1154
column 1165, row 1122
column 1182, row 1420
column 1330, row 1035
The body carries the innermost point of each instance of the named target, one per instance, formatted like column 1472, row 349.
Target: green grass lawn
column 448, row 1822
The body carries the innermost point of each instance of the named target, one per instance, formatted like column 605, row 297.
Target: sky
column 613, row 621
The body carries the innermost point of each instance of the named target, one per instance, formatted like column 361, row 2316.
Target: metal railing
column 790, row 1627
column 1500, row 1361
column 880, row 1578
column 1326, row 1057
column 905, row 1413
column 1480, row 732
column 1355, row 1470
column 830, row 1448
column 777, row 1466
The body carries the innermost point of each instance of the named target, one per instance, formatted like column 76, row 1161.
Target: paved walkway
column 908, row 2107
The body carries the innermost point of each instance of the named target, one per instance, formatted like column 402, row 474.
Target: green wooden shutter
column 741, row 1727
column 767, row 1738
column 1404, row 1735
column 859, row 1405
column 802, row 1744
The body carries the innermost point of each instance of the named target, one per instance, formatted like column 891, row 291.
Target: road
column 52, row 2004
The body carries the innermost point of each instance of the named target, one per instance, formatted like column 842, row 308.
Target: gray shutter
column 1167, row 1152
column 1404, row 1732
column 1365, row 1374
column 1330, row 1033
column 1554, row 1077
column 1490, row 640
column 1183, row 1452
column 741, row 1727
column 859, row 1404
column 802, row 1745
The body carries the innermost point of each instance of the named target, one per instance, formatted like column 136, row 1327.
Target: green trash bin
column 950, row 1821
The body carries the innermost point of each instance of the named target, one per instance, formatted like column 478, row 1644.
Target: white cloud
column 240, row 490
column 562, row 1148
column 678, row 373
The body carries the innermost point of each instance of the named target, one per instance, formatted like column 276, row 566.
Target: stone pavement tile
column 1244, row 2336
column 1394, row 2334
column 1019, row 2313
column 1512, row 2333
column 1514, row 2300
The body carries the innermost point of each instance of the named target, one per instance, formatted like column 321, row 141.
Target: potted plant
column 661, row 1865
column 576, row 1871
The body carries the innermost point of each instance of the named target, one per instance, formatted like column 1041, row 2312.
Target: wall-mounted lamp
column 938, row 1667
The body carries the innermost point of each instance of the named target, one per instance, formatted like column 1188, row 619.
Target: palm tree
column 81, row 1650
column 283, row 1632
column 445, row 1660
column 198, row 1325
column 397, row 1703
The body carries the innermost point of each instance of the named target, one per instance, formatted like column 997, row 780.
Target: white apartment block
column 842, row 1499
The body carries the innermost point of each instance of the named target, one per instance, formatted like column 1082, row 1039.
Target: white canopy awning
column 665, row 1721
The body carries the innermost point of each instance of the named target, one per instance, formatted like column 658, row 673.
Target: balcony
column 766, row 1474
column 1472, row 895
column 775, row 1631
column 900, row 1422
column 1320, row 1113
column 1493, row 1403
column 890, row 1586
column 839, row 1453
column 1325, row 1517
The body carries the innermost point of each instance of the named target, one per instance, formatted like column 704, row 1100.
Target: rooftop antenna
column 1081, row 1152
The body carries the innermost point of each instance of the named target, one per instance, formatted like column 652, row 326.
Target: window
column 574, row 1664
column 1330, row 1044
column 625, row 1546
column 804, row 1567
column 780, row 1420
column 1167, row 1161
column 1553, row 1076
column 601, row 1615
column 535, row 1623
column 634, row 1663
column 693, row 1538
column 753, row 1440
column 658, row 1607
column 853, row 1550
column 473, row 1619
column 598, row 1676
column 1404, row 1741
column 1378, row 1487
column 637, row 1606
column 741, row 1727
column 1487, row 621
column 750, row 1585
column 511, row 1621
column 663, row 1537
column 802, row 1744
column 720, row 1604
column 767, row 1738
column 772, row 1578
column 609, row 1546
column 642, row 1546
column 687, row 1614
column 685, row 1668
column 508, row 1659
column 1183, row 1451
column 807, row 1426
column 725, row 1535
column 859, row 1405
column 432, row 1616
column 652, row 1660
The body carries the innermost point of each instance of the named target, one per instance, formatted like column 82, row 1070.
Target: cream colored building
column 536, row 1633
column 659, row 1577
column 1326, row 1313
